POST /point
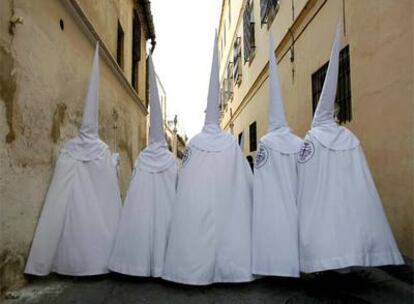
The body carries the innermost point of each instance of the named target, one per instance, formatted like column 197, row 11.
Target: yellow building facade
column 375, row 95
column 46, row 53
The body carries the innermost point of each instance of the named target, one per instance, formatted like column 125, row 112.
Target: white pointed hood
column 279, row 136
column 87, row 146
column 324, row 113
column 155, row 157
column 324, row 127
column 276, row 110
column 212, row 138
column 213, row 99
column 156, row 131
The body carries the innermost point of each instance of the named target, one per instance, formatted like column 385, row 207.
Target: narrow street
column 376, row 285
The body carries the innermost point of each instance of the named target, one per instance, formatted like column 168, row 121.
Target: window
column 120, row 46
column 343, row 105
column 237, row 64
column 268, row 10
column 136, row 49
column 229, row 81
column 253, row 136
column 248, row 32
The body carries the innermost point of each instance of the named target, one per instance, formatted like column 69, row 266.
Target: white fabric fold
column 341, row 220
column 141, row 238
column 275, row 220
column 77, row 226
column 283, row 141
column 210, row 236
column 156, row 158
column 212, row 139
column 78, row 222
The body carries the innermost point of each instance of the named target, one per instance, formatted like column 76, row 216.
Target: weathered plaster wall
column 44, row 74
column 105, row 16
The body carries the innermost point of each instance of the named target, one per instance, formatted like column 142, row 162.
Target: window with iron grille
column 120, row 46
column 253, row 137
column 229, row 80
column 136, row 49
column 237, row 61
column 268, row 10
column 343, row 101
column 248, row 32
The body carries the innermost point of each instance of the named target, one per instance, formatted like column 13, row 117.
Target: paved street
column 377, row 285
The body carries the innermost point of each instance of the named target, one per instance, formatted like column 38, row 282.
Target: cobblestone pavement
column 376, row 285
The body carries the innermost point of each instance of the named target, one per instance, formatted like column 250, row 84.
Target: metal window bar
column 237, row 61
column 229, row 80
column 268, row 8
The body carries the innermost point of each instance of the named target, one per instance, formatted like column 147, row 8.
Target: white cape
column 142, row 233
column 77, row 226
column 210, row 237
column 275, row 223
column 342, row 222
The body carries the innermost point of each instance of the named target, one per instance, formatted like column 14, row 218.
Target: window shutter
column 263, row 10
column 246, row 33
column 237, row 60
column 229, row 80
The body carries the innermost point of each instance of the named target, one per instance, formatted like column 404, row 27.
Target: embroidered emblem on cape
column 261, row 157
column 186, row 156
column 306, row 152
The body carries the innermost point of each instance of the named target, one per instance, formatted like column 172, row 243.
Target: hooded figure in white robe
column 275, row 218
column 77, row 226
column 210, row 237
column 141, row 239
column 341, row 219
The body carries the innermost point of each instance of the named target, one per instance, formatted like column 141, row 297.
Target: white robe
column 78, row 222
column 141, row 239
column 341, row 219
column 275, row 222
column 210, row 237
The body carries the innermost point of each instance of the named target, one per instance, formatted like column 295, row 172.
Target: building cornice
column 90, row 32
column 144, row 6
